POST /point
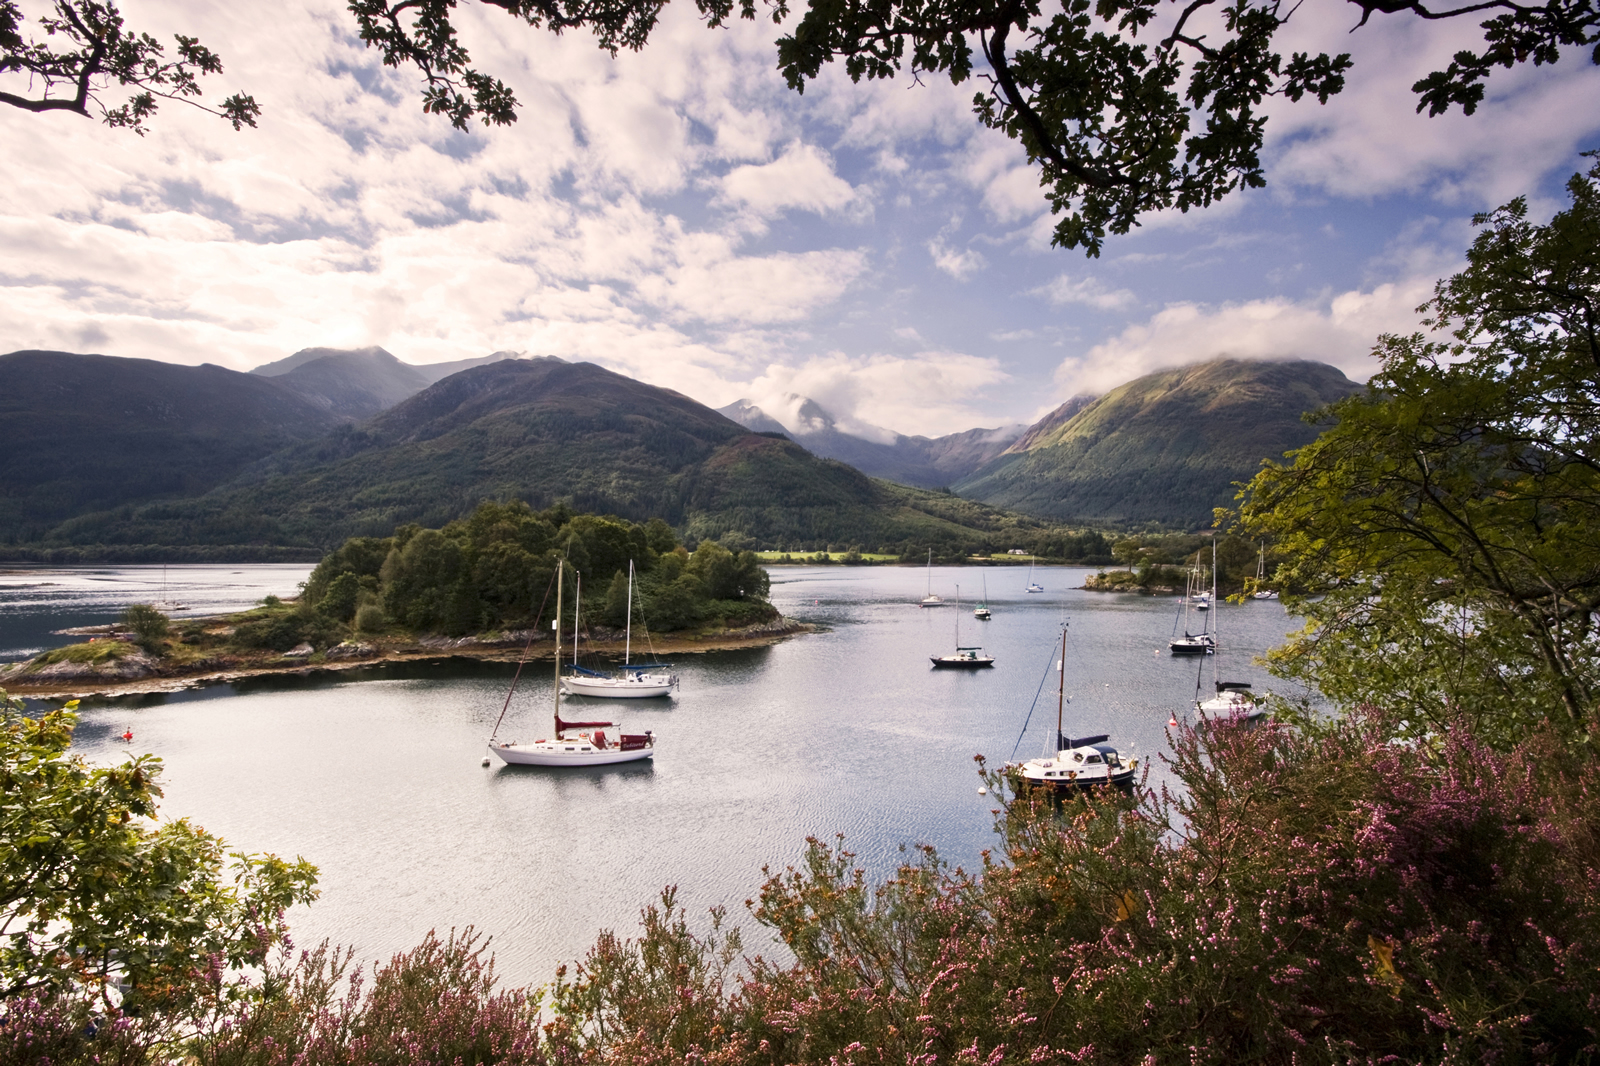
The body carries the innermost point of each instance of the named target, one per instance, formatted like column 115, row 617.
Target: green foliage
column 96, row 894
column 370, row 618
column 340, row 602
column 282, row 627
column 1442, row 533
column 495, row 569
column 147, row 623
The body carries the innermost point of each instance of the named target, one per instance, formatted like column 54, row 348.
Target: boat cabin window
column 1094, row 758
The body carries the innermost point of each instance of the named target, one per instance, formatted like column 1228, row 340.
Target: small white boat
column 930, row 600
column 982, row 612
column 963, row 659
column 1075, row 764
column 631, row 682
column 1233, row 700
column 571, row 743
column 1033, row 586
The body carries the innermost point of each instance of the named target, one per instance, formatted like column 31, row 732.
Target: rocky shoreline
column 135, row 672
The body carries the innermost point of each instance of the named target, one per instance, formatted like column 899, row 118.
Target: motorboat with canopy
column 1073, row 764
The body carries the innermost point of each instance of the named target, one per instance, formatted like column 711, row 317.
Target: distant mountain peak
column 282, row 366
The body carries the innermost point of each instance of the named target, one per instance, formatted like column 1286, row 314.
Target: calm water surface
column 375, row 775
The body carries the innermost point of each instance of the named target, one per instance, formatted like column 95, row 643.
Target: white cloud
column 926, row 393
column 802, row 178
column 959, row 263
column 1368, row 141
column 1341, row 331
column 1088, row 291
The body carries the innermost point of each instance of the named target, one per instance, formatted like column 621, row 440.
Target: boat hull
column 560, row 753
column 1076, row 786
column 615, row 687
column 1184, row 647
column 955, row 662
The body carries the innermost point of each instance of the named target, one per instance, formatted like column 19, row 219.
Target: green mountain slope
column 1164, row 448
column 543, row 430
column 93, row 433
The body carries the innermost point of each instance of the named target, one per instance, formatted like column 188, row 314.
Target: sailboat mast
column 556, row 696
column 1216, row 623
column 577, row 601
column 958, row 618
column 1061, row 686
column 627, row 646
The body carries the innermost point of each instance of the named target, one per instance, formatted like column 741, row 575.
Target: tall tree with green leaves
column 103, row 907
column 1441, row 536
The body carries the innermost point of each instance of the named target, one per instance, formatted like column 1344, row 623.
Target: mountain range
column 1166, row 448
column 538, row 429
column 325, row 444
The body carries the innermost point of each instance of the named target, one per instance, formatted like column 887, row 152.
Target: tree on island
column 1103, row 96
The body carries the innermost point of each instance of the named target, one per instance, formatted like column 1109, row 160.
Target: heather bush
column 1332, row 895
column 432, row 1006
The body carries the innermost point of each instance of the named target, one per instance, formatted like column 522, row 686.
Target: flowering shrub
column 1308, row 896
column 432, row 1006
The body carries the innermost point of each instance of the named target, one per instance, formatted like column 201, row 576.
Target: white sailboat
column 1261, row 575
column 1075, row 764
column 165, row 605
column 982, row 612
column 1233, row 699
column 571, row 743
column 631, row 682
column 930, row 600
column 965, row 658
column 1033, row 586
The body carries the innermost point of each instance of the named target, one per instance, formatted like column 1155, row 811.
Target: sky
column 679, row 215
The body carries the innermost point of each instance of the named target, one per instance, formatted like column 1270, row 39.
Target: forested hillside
column 1165, row 448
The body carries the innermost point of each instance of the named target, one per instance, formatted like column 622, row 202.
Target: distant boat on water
column 930, row 600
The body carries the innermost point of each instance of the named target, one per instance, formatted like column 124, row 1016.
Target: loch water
column 374, row 774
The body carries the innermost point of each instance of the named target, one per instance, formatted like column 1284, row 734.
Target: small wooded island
column 479, row 587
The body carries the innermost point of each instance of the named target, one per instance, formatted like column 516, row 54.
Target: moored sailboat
column 631, row 682
column 965, row 658
column 982, row 612
column 930, row 600
column 1201, row 643
column 571, row 743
